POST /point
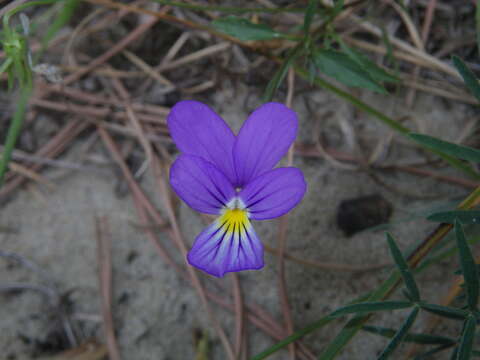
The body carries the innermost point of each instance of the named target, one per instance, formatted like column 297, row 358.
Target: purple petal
column 227, row 246
column 274, row 193
column 198, row 130
column 262, row 141
column 200, row 184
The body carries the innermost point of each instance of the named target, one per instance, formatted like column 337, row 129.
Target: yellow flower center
column 234, row 220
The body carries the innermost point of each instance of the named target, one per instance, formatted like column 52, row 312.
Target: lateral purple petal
column 274, row 193
column 198, row 130
column 220, row 249
column 262, row 141
column 200, row 184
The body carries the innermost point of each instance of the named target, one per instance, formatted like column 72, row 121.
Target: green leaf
column 463, row 216
column 244, row 29
column 458, row 151
column 309, row 15
column 404, row 269
column 428, row 354
column 63, row 17
column 469, row 267
column 470, row 80
column 339, row 66
column 375, row 71
column 339, row 341
column 14, row 131
column 5, row 65
column 445, row 311
column 337, row 7
column 400, row 335
column 277, row 79
column 476, row 353
column 368, row 307
column 424, row 339
column 466, row 342
column 477, row 23
column 454, row 355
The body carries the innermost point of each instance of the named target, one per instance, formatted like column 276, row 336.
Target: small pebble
column 354, row 215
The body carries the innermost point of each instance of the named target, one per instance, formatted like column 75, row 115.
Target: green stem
column 14, row 132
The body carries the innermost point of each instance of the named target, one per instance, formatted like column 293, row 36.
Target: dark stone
column 354, row 215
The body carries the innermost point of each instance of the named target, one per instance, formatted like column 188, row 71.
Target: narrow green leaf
column 466, row 342
column 368, row 307
column 309, row 15
column 469, row 267
column 63, row 17
column 468, row 76
column 277, row 79
column 463, row 216
column 458, row 151
column 400, row 335
column 477, row 23
column 476, row 353
column 244, row 29
column 5, row 65
column 454, row 355
column 403, row 268
column 13, row 132
column 460, row 165
column 337, row 7
column 339, row 341
column 375, row 71
column 339, row 66
column 417, row 338
column 428, row 354
column 445, row 311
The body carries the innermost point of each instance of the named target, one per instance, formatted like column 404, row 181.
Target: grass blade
column 417, row 338
column 458, row 151
column 468, row 76
column 368, row 65
column 469, row 267
column 463, row 216
column 280, row 74
column 345, row 70
column 428, row 354
column 466, row 343
column 400, row 335
column 374, row 306
column 244, row 29
column 445, row 311
column 13, row 132
column 63, row 17
column 309, row 15
column 404, row 269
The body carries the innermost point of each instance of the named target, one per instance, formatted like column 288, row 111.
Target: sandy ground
column 156, row 313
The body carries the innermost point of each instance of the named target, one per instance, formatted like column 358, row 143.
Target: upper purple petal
column 274, row 193
column 200, row 184
column 198, row 130
column 262, row 141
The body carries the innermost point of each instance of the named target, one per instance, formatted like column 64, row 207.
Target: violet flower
column 233, row 177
